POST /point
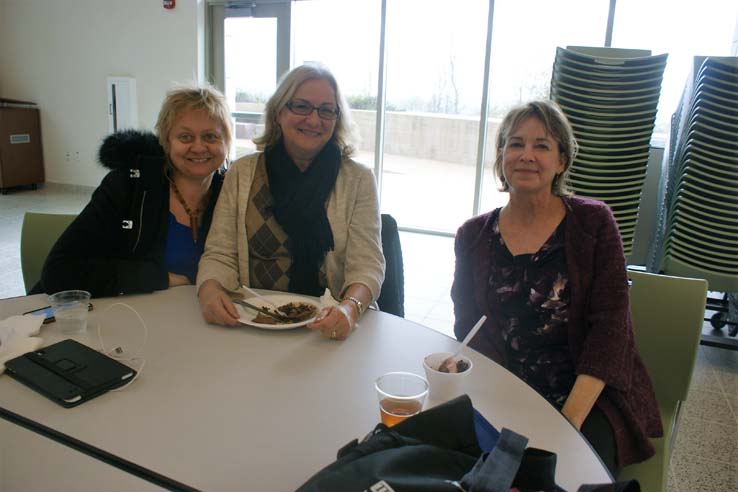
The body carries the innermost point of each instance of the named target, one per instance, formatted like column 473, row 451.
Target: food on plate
column 263, row 319
column 292, row 312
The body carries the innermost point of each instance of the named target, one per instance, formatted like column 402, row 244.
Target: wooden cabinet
column 21, row 156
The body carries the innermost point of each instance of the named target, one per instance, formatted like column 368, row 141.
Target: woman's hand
column 335, row 322
column 338, row 322
column 215, row 304
column 176, row 280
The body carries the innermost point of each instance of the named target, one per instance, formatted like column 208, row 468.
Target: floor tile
column 673, row 483
column 418, row 307
column 724, row 364
column 728, row 381
column 733, row 403
column 11, row 285
column 708, row 405
column 424, row 286
column 698, row 474
column 442, row 310
column 50, row 198
column 718, row 358
column 707, row 439
column 446, row 297
column 429, row 264
column 704, row 378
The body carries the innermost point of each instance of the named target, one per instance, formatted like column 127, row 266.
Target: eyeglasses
column 304, row 108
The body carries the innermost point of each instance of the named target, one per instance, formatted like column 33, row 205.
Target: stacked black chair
column 610, row 96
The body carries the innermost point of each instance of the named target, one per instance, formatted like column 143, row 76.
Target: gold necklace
column 194, row 215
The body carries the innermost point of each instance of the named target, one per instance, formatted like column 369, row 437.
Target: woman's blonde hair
column 193, row 98
column 343, row 134
column 557, row 126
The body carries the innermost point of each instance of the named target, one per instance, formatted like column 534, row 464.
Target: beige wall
column 437, row 137
column 58, row 53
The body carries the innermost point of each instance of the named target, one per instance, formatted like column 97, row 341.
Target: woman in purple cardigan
column 548, row 270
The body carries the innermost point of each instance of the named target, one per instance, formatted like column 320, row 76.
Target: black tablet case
column 68, row 372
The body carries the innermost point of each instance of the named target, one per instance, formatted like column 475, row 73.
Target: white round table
column 226, row 409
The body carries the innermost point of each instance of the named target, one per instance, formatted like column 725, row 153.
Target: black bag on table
column 437, row 451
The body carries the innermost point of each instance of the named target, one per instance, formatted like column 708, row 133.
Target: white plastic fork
column 256, row 294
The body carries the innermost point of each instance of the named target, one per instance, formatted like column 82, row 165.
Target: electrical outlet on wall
column 68, row 157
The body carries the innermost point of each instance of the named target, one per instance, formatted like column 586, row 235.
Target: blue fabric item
column 182, row 254
column 487, row 435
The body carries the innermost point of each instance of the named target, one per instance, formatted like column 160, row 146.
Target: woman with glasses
column 299, row 215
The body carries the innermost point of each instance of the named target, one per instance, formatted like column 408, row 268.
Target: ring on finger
column 333, row 335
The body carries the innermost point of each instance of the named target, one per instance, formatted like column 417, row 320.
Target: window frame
column 218, row 10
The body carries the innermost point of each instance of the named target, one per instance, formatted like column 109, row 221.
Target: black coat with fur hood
column 117, row 243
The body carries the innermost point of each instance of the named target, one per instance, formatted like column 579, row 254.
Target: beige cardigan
column 353, row 212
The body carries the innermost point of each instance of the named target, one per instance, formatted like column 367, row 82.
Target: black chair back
column 392, row 296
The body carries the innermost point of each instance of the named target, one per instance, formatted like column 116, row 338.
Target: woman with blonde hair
column 145, row 226
column 300, row 215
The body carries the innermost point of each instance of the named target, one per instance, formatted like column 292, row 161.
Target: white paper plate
column 247, row 315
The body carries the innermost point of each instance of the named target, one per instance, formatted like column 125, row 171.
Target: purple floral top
column 533, row 296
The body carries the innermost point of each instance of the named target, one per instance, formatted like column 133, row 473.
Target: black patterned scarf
column 299, row 207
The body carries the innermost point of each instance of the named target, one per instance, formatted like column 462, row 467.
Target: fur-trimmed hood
column 125, row 149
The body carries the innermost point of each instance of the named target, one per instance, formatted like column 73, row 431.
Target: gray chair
column 668, row 313
column 38, row 235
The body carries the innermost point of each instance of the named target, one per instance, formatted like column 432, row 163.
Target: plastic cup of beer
column 401, row 395
column 70, row 310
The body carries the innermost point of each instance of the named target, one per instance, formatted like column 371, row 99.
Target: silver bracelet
column 359, row 304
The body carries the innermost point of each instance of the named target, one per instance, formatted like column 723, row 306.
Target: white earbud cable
column 117, row 353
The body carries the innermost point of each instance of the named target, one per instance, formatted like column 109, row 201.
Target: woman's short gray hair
column 343, row 134
column 557, row 127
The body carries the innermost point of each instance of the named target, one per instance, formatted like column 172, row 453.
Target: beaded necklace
column 194, row 214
